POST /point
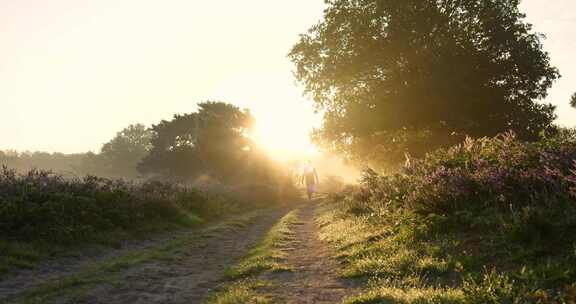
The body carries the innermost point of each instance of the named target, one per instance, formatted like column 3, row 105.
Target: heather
column 47, row 206
column 492, row 220
column 42, row 213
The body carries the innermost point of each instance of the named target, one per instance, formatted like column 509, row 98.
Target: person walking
column 310, row 178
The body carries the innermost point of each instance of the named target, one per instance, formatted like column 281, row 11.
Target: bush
column 44, row 206
column 499, row 173
column 493, row 219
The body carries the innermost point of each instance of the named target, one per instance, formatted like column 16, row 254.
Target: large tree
column 120, row 156
column 573, row 100
column 407, row 76
column 213, row 141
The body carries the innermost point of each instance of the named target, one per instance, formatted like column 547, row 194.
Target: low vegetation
column 246, row 291
column 488, row 221
column 109, row 270
column 268, row 256
column 41, row 212
column 270, row 253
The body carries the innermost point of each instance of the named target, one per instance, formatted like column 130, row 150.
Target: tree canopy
column 573, row 100
column 119, row 157
column 213, row 141
column 407, row 76
column 126, row 150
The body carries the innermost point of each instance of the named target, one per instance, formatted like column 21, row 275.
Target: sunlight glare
column 284, row 119
column 282, row 139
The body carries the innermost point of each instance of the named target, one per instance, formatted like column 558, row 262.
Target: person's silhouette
column 310, row 178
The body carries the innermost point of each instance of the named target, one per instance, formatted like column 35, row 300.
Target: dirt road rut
column 188, row 276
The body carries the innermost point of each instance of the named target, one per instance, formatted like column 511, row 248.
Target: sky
column 74, row 72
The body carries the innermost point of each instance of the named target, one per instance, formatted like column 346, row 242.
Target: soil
column 189, row 278
column 315, row 278
column 186, row 278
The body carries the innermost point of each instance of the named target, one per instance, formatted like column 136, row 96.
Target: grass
column 108, row 270
column 383, row 294
column 26, row 255
column 394, row 269
column 245, row 291
column 21, row 255
column 268, row 256
column 404, row 260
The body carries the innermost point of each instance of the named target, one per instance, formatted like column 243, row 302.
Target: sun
column 284, row 118
column 284, row 136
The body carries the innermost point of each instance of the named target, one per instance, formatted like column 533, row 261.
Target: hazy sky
column 74, row 72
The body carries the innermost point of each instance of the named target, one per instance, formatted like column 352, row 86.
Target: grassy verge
column 268, row 256
column 26, row 255
column 243, row 291
column 108, row 270
column 407, row 259
column 490, row 221
column 397, row 269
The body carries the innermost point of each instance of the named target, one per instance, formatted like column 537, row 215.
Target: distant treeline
column 117, row 158
column 58, row 162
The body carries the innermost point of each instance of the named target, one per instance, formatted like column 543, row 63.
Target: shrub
column 493, row 203
column 41, row 205
column 501, row 172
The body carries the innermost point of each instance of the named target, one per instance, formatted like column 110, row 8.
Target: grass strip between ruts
column 268, row 256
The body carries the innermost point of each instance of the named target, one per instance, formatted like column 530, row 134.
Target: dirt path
column 192, row 270
column 186, row 277
column 315, row 277
column 190, row 278
column 53, row 269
